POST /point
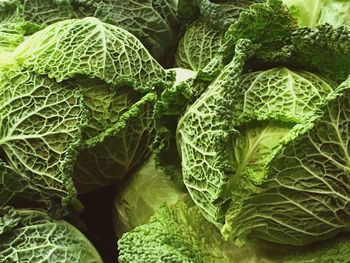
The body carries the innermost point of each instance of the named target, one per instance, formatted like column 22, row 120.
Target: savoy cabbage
column 264, row 149
column 237, row 154
column 97, row 124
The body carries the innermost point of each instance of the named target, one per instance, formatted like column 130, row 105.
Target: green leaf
column 119, row 81
column 40, row 129
column 108, row 157
column 198, row 46
column 221, row 14
column 92, row 48
column 316, row 50
column 203, row 37
column 12, row 184
column 202, row 135
column 268, row 24
column 335, row 13
column 32, row 236
column 307, row 12
column 154, row 23
column 334, row 250
column 11, row 26
column 46, row 12
column 254, row 146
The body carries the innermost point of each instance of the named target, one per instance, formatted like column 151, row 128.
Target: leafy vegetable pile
column 221, row 128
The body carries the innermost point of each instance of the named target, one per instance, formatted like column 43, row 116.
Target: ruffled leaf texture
column 203, row 37
column 179, row 233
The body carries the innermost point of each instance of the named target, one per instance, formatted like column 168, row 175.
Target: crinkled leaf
column 12, row 184
column 32, row 236
column 179, row 233
column 114, row 73
column 11, row 25
column 155, row 23
column 202, row 134
column 203, row 37
column 120, row 147
column 46, row 12
column 268, row 24
column 324, row 49
column 40, row 127
column 92, row 48
column 334, row 250
column 335, row 13
column 306, row 11
column 198, row 46
column 221, row 14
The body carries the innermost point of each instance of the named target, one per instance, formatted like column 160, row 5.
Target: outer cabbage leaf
column 198, row 46
column 40, row 128
column 176, row 99
column 179, row 233
column 221, row 14
column 46, row 12
column 32, row 236
column 92, row 48
column 316, row 50
column 19, row 18
column 268, row 26
column 213, row 171
column 166, row 112
column 143, row 194
column 203, row 168
column 155, row 23
column 335, row 13
column 12, row 185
